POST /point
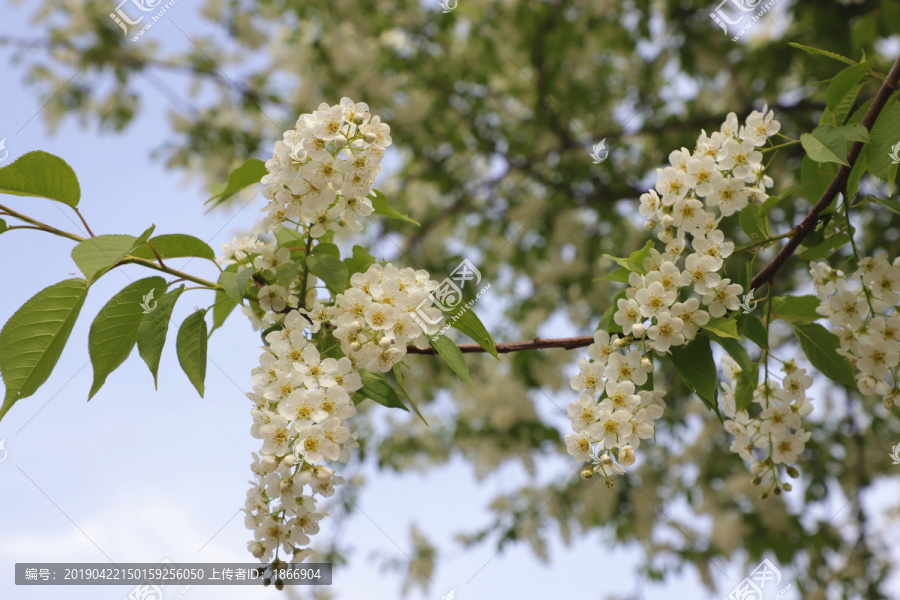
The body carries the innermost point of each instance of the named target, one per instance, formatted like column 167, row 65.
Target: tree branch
column 837, row 184
column 536, row 343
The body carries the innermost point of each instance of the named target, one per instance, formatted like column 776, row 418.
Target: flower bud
column 268, row 463
column 359, row 119
column 888, row 403
column 756, row 480
column 370, row 137
column 787, row 487
column 290, row 460
column 340, row 141
column 626, row 456
column 763, row 495
column 777, row 491
column 587, row 473
column 651, row 224
column 258, row 551
column 793, row 472
column 646, row 365
column 610, row 483
column 355, row 346
column 385, row 343
column 620, row 342
column 637, row 331
column 354, row 327
column 285, row 484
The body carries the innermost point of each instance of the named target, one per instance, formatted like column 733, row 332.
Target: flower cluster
column 323, row 170
column 300, row 404
column 381, row 314
column 319, row 181
column 863, row 314
column 674, row 293
column 773, row 425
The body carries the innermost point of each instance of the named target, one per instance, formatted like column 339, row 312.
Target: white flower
column 579, row 445
column 723, row 297
column 700, row 271
column 628, row 315
column 626, row 367
column 610, row 426
column 666, row 332
column 590, row 378
column 760, row 126
column 672, row 184
column 788, row 448
column 272, row 298
column 654, row 299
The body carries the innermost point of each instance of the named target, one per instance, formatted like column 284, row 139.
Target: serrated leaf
column 820, row 347
column 175, row 245
column 825, row 248
column 796, row 309
column 620, row 275
column 376, row 388
column 330, row 270
column 451, row 354
column 891, row 205
column 722, row 327
column 190, row 345
column 151, row 335
column 43, row 175
column 95, row 256
column 221, row 310
column 326, row 250
column 382, row 207
column 469, row 323
column 115, row 329
column 844, row 82
column 825, row 144
column 33, row 339
column 245, row 175
column 854, row 133
column 696, row 367
column 235, row 283
column 815, row 51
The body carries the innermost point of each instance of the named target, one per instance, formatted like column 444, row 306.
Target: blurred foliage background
column 493, row 108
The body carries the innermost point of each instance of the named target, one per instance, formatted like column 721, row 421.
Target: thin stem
column 86, row 226
column 133, row 260
column 43, row 226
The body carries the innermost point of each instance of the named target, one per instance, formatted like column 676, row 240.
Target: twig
column 536, row 343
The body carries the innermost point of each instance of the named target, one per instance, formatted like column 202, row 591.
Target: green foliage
column 635, row 261
column 448, row 350
column 469, row 323
column 820, row 347
column 382, row 207
column 330, row 270
column 175, row 245
column 694, row 363
column 825, row 144
column 41, row 174
column 359, row 262
column 376, row 388
column 796, row 309
column 151, row 335
column 884, row 136
column 33, row 339
column 722, row 327
column 190, row 345
column 97, row 255
column 114, row 331
column 754, row 223
column 244, row 176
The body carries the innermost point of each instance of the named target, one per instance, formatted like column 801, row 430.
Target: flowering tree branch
column 535, row 344
column 767, row 274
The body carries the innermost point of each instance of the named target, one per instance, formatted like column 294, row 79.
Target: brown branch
column 536, row 343
column 837, row 184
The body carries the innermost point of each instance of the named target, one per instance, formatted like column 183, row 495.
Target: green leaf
column 695, row 364
column 190, row 346
column 820, row 347
column 175, row 245
column 469, row 323
column 816, row 177
column 636, row 259
column 115, row 329
column 287, row 272
column 753, row 223
column 245, row 175
column 330, row 270
column 376, row 387
column 825, row 144
column 3, row 226
column 326, row 250
column 825, row 248
column 815, row 51
column 860, row 168
column 620, row 275
column 607, row 322
column 452, row 356
column 97, row 255
column 221, row 310
column 746, row 385
column 33, row 339
column 854, row 133
column 796, row 309
column 359, row 262
column 844, row 82
column 891, row 205
column 735, row 349
column 884, row 144
column 722, row 327
column 43, row 175
column 151, row 335
column 235, row 284
column 752, row 328
column 382, row 207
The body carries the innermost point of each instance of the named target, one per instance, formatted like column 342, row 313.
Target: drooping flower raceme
column 673, row 293
column 863, row 313
column 318, row 348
